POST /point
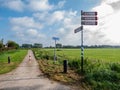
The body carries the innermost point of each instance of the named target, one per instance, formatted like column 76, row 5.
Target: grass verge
column 98, row 74
column 16, row 56
column 54, row 70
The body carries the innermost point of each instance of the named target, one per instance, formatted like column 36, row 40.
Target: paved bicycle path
column 28, row 77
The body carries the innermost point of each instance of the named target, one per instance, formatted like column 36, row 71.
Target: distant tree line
column 58, row 45
column 13, row 45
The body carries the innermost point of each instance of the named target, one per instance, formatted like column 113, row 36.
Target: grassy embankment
column 101, row 67
column 16, row 57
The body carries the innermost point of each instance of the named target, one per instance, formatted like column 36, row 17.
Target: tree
column 1, row 45
column 12, row 44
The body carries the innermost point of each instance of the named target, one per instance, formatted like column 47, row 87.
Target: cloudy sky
column 37, row 21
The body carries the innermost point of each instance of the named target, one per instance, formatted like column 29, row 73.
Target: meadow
column 16, row 57
column 103, row 54
column 101, row 67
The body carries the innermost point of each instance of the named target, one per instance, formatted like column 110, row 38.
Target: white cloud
column 50, row 18
column 57, row 16
column 27, row 29
column 63, row 23
column 16, row 5
column 109, row 17
column 106, row 32
column 32, row 32
column 26, row 22
column 61, row 3
column 41, row 16
column 103, row 10
column 66, row 31
column 109, row 1
column 61, row 31
column 31, row 5
column 39, row 5
column 30, row 36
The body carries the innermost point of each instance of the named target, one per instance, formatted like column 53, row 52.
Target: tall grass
column 102, row 76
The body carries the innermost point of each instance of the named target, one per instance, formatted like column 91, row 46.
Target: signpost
column 88, row 13
column 88, row 23
column 87, row 18
column 78, row 29
column 55, row 38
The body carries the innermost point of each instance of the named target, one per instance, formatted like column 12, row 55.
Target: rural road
column 27, row 76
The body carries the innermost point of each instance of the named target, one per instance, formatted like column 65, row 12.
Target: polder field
column 16, row 57
column 102, row 54
column 101, row 67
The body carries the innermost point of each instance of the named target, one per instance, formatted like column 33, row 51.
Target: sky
column 37, row 21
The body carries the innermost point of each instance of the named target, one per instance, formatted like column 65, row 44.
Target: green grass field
column 104, row 54
column 101, row 67
column 16, row 57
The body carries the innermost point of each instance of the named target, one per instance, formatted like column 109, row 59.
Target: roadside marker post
column 55, row 38
column 65, row 62
column 87, row 18
column 8, row 59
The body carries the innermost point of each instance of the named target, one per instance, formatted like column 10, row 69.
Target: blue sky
column 37, row 21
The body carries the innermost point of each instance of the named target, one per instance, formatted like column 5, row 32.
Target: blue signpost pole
column 55, row 38
column 55, row 52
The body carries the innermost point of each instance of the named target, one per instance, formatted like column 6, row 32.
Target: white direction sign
column 89, row 13
column 88, row 22
column 78, row 29
column 89, row 18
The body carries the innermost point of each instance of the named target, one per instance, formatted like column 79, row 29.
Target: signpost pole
column 55, row 38
column 82, row 47
column 55, row 52
column 82, row 50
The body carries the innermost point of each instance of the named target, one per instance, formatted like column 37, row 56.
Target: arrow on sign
column 78, row 29
column 89, row 13
column 89, row 18
column 88, row 22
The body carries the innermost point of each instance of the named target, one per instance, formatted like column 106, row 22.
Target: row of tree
column 13, row 45
column 58, row 45
column 9, row 45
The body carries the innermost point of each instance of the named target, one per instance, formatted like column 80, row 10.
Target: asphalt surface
column 27, row 76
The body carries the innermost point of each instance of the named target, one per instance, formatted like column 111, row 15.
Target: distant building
column 58, row 45
column 37, row 45
column 26, row 45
